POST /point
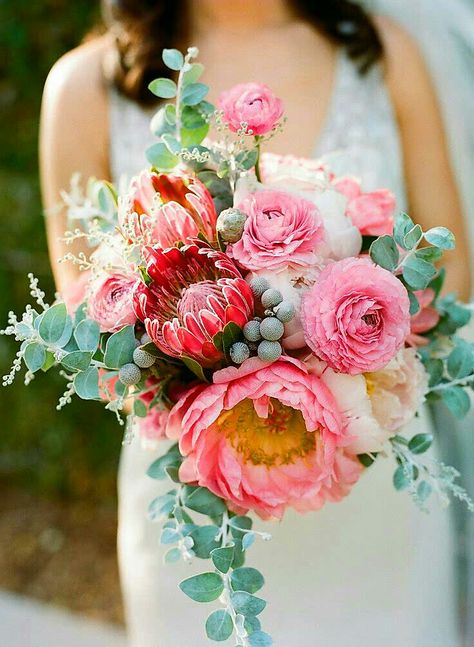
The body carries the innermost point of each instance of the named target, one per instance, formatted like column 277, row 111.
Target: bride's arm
column 73, row 138
column 432, row 195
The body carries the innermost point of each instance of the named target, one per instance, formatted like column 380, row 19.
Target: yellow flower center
column 279, row 439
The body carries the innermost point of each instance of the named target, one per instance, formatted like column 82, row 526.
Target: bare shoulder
column 79, row 72
column 406, row 71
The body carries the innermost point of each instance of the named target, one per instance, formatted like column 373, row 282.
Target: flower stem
column 257, row 161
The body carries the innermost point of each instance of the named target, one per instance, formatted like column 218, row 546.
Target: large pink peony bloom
column 356, row 317
column 194, row 292
column 253, row 104
column 281, row 230
column 110, row 301
column 265, row 437
column 169, row 208
column 398, row 391
column 372, row 213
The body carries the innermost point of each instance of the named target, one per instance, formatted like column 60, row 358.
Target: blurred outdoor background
column 57, row 474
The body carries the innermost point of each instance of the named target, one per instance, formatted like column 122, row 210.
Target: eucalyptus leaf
column 430, row 254
column 173, row 59
column 193, row 73
column 34, row 356
column 412, row 237
column 440, row 237
column 420, row 443
column 417, row 272
column 414, row 303
column 169, row 536
column 252, row 624
column 77, row 360
column 195, row 367
column 172, row 555
column 401, row 478
column 194, row 136
column 171, row 143
column 435, row 369
column 204, row 538
column 161, row 506
column 193, row 93
column 461, row 360
column 403, row 224
column 205, row 587
column 384, row 252
column 248, row 540
column 55, row 327
column 457, row 400
column 160, row 157
column 86, row 384
column 163, row 88
column 222, row 558
column 157, row 469
column 219, row 625
column 200, row 499
column 423, row 491
column 49, row 361
column 87, row 335
column 139, row 408
column 159, row 124
column 119, row 348
column 247, row 604
column 240, row 523
column 247, row 579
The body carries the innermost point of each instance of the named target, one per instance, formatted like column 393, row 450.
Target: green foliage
column 163, row 88
column 384, row 252
column 173, row 59
column 205, row 587
column 119, row 348
column 219, row 625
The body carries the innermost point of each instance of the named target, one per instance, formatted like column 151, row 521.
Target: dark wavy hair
column 142, row 28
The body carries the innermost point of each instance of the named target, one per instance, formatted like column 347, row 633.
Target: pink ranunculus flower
column 371, row 212
column 312, row 181
column 264, row 437
column 110, row 301
column 424, row 320
column 398, row 391
column 356, row 317
column 281, row 230
column 253, row 104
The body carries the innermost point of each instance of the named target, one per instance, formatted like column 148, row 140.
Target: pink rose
column 398, row 391
column 371, row 212
column 281, row 230
column 356, row 317
column 110, row 301
column 253, row 104
column 424, row 320
column 264, row 437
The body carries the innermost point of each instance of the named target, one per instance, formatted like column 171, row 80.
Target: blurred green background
column 74, row 452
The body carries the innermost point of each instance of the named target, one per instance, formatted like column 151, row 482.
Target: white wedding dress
column 371, row 571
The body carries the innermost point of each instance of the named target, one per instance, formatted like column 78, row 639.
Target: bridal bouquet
column 277, row 322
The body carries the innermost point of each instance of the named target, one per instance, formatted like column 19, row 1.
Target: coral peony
column 356, row 317
column 110, row 301
column 265, row 437
column 281, row 230
column 168, row 208
column 371, row 212
column 253, row 104
column 193, row 293
column 398, row 391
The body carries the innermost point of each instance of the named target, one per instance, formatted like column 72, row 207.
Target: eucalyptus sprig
column 223, row 540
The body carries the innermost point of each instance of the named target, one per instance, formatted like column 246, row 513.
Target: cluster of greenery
column 51, row 452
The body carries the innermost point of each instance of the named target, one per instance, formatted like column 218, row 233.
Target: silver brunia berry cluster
column 263, row 335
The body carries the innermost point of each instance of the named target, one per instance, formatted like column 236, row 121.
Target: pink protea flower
column 110, row 301
column 194, row 292
column 253, row 104
column 264, row 437
column 281, row 230
column 171, row 208
column 424, row 320
column 356, row 317
column 371, row 213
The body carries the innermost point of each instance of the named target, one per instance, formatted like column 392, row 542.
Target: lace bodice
column 360, row 135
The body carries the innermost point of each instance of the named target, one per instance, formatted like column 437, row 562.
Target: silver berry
column 142, row 358
column 251, row 331
column 272, row 329
column 271, row 298
column 239, row 352
column 130, row 374
column 269, row 351
column 285, row 311
column 230, row 224
column 258, row 285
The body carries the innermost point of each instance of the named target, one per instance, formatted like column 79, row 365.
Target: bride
column 371, row 570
